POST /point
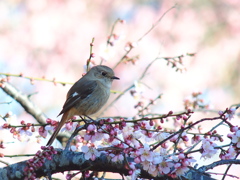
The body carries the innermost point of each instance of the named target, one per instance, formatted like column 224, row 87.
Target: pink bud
column 91, row 127
column 185, row 163
column 177, row 165
column 137, row 160
column 220, row 113
column 181, row 156
column 234, row 129
column 230, row 136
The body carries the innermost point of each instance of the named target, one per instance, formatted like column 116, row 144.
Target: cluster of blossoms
column 144, row 142
column 20, row 132
column 208, row 148
column 52, row 125
column 132, row 140
column 234, row 149
column 37, row 161
column 229, row 113
column 195, row 101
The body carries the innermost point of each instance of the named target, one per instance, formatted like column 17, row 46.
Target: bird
column 87, row 96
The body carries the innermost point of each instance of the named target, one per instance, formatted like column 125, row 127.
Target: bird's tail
column 55, row 133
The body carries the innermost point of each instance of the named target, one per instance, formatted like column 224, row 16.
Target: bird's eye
column 104, row 73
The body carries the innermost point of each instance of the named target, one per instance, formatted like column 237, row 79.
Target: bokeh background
column 51, row 39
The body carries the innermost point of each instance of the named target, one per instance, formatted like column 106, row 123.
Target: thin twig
column 145, row 34
column 35, row 78
column 156, row 23
column 229, row 166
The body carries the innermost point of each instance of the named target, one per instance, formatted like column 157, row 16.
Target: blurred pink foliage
column 51, row 38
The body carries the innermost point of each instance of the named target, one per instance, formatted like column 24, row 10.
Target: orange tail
column 55, row 133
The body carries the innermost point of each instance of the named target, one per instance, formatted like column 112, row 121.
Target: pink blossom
column 73, row 148
column 153, row 170
column 137, row 160
column 181, row 170
column 236, row 138
column 208, row 148
column 146, row 165
column 160, row 136
column 174, row 138
column 157, row 158
column 90, row 152
column 231, row 153
column 134, row 174
column 145, row 153
column 91, row 127
column 127, row 130
column 93, row 136
column 164, row 167
column 42, row 132
column 116, row 158
column 230, row 113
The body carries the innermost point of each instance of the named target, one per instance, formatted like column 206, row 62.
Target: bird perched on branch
column 87, row 95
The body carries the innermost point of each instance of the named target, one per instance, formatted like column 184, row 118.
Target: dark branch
column 218, row 163
column 68, row 160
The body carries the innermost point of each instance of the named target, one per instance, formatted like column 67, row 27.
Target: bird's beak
column 114, row 77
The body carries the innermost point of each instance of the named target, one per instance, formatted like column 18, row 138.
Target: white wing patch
column 74, row 94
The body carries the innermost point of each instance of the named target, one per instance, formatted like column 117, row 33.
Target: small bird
column 87, row 95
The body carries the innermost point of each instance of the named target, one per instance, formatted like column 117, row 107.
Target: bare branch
column 25, row 102
column 218, row 163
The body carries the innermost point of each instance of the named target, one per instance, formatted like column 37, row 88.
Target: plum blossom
column 165, row 166
column 138, row 90
column 135, row 173
column 160, row 136
column 93, row 136
column 208, row 148
column 150, row 167
column 49, row 128
column 181, row 170
column 42, row 132
column 236, row 138
column 230, row 113
column 127, row 130
column 69, row 126
column 157, row 158
column 131, row 136
column 153, row 169
column 90, row 152
column 24, row 135
column 145, row 153
column 231, row 153
column 116, row 157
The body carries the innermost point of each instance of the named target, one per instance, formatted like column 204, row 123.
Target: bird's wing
column 78, row 92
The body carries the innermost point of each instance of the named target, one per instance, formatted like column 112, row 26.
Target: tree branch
column 67, row 160
column 24, row 101
column 218, row 163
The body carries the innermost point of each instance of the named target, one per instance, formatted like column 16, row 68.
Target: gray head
column 102, row 73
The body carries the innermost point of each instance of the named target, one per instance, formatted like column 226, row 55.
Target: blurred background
column 51, row 39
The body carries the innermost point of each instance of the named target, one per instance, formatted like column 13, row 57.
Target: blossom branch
column 188, row 127
column 65, row 160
